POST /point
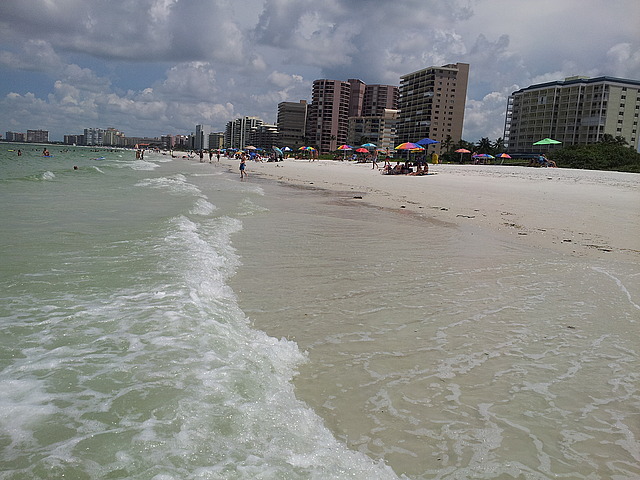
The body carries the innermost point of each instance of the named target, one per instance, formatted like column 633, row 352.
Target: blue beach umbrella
column 426, row 141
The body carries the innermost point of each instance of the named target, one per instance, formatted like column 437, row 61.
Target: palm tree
column 609, row 139
column 498, row 146
column 484, row 145
column 448, row 143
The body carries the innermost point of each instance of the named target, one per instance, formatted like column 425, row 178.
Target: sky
column 156, row 67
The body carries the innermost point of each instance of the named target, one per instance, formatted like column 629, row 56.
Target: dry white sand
column 580, row 212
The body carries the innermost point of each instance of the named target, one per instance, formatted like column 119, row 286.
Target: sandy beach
column 473, row 323
column 579, row 212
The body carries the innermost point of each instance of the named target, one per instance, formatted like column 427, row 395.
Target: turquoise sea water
column 161, row 319
column 123, row 352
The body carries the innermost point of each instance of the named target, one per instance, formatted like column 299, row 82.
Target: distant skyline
column 154, row 67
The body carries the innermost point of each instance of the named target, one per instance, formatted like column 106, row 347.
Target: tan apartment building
column 377, row 129
column 432, row 103
column 576, row 111
column 328, row 114
column 335, row 102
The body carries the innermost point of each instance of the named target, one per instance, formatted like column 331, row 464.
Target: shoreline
column 575, row 212
column 428, row 332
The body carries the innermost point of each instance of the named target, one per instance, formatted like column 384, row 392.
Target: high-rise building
column 113, row 136
column 238, row 132
column 264, row 136
column 292, row 123
column 94, row 136
column 432, row 102
column 15, row 137
column 37, row 136
column 377, row 129
column 376, row 118
column 201, row 139
column 182, row 141
column 216, row 140
column 328, row 114
column 334, row 102
column 74, row 140
column 378, row 99
column 356, row 98
column 578, row 110
column 168, row 141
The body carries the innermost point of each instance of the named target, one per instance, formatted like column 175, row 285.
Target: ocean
column 164, row 319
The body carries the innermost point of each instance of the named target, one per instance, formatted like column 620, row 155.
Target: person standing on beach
column 374, row 160
column 243, row 164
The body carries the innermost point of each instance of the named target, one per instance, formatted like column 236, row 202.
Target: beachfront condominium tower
column 432, row 102
column 377, row 129
column 201, row 138
column 328, row 114
column 334, row 102
column 38, row 136
column 238, row 132
column 575, row 111
column 94, row 136
column 292, row 124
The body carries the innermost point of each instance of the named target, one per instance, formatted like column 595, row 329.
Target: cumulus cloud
column 152, row 66
column 34, row 55
column 485, row 117
column 623, row 57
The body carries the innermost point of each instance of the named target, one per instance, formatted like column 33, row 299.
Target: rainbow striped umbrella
column 409, row 146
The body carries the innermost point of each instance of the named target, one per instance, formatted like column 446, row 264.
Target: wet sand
column 468, row 324
column 579, row 212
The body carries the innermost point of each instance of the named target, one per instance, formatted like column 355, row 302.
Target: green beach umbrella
column 547, row 141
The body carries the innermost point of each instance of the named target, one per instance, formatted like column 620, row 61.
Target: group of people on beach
column 405, row 169
column 542, row 161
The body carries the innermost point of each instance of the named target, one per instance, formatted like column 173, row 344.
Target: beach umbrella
column 409, row 146
column 461, row 151
column 369, row 145
column 250, row 147
column 426, row 141
column 547, row 141
column 308, row 149
column 286, row 149
column 503, row 155
column 344, row 149
column 362, row 150
column 483, row 156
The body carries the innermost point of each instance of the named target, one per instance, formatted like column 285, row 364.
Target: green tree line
column 610, row 153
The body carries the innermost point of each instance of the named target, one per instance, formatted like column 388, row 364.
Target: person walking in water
column 243, row 164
